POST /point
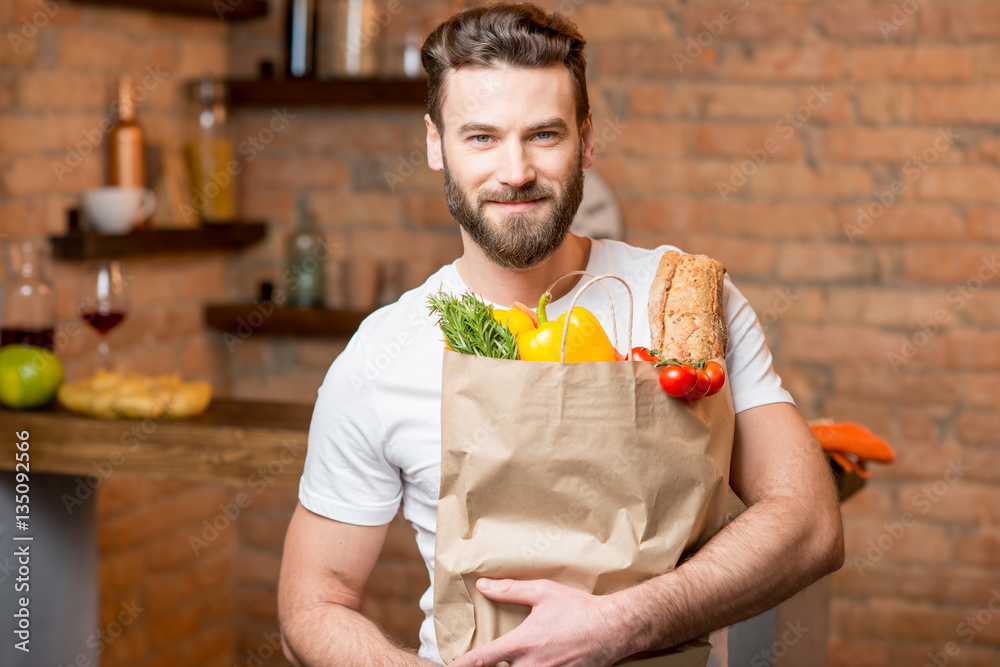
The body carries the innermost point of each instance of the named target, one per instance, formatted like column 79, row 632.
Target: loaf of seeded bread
column 686, row 317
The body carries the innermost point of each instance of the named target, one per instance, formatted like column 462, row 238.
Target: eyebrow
column 555, row 122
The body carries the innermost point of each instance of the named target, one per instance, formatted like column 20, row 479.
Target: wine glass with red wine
column 104, row 301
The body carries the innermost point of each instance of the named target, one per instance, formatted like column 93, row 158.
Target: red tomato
column 701, row 386
column 642, row 354
column 716, row 376
column 677, row 381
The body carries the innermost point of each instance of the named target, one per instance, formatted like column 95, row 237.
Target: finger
column 512, row 590
column 488, row 654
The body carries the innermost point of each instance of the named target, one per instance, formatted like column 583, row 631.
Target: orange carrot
column 854, row 439
column 848, row 464
column 527, row 311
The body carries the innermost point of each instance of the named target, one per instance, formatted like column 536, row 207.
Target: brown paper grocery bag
column 587, row 474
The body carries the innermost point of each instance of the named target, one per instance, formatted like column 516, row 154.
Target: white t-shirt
column 375, row 436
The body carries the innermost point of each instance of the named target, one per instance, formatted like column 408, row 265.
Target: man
column 510, row 124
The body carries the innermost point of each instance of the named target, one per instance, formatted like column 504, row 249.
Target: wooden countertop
column 238, row 443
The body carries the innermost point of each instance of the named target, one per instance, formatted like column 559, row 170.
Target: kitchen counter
column 237, row 443
column 233, row 442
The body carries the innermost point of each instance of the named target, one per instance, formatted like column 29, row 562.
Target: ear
column 587, row 140
column 433, row 145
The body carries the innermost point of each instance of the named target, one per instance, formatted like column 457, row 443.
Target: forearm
column 742, row 571
column 331, row 634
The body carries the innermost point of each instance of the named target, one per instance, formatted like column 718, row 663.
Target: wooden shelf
column 327, row 93
column 242, row 320
column 223, row 10
column 78, row 245
column 229, row 444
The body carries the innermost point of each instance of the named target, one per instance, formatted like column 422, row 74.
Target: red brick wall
column 161, row 604
column 833, row 109
column 59, row 64
column 868, row 320
column 257, row 558
column 890, row 322
column 363, row 177
column 183, row 597
column 338, row 166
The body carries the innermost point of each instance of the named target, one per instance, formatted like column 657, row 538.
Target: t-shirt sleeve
column 346, row 475
column 752, row 378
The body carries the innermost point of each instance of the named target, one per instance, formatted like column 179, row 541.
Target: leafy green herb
column 469, row 327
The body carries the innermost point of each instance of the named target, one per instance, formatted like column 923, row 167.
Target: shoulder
column 624, row 251
column 636, row 265
column 640, row 264
column 410, row 315
column 398, row 331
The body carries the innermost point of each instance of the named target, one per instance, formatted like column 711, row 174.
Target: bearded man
column 509, row 122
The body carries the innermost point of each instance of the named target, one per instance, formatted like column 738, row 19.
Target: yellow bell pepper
column 586, row 340
column 515, row 320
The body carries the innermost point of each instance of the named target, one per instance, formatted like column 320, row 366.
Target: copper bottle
column 125, row 166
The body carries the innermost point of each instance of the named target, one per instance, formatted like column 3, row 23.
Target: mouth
column 517, row 206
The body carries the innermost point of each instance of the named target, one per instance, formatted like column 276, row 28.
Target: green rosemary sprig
column 469, row 327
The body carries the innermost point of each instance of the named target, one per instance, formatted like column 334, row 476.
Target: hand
column 566, row 626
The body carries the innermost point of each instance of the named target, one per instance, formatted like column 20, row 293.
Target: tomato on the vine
column 642, row 354
column 678, row 380
column 701, row 386
column 716, row 375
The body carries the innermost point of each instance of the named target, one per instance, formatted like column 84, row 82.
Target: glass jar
column 29, row 298
column 209, row 156
column 401, row 39
column 306, row 259
column 352, row 44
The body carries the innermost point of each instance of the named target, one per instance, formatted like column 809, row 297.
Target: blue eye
column 548, row 134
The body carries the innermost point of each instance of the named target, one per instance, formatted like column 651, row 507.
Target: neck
column 505, row 286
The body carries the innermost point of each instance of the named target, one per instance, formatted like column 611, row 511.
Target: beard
column 517, row 240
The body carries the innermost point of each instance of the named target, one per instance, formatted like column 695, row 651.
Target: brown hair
column 503, row 34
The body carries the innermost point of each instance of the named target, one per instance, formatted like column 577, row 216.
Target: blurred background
column 842, row 159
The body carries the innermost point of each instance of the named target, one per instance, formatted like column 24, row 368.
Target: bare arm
column 789, row 536
column 324, row 569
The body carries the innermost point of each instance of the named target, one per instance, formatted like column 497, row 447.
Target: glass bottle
column 411, row 53
column 356, row 28
column 401, row 40
column 125, row 161
column 300, row 39
column 305, row 273
column 29, row 299
column 209, row 154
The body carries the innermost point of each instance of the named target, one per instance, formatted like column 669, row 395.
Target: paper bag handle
column 607, row 292
column 595, row 279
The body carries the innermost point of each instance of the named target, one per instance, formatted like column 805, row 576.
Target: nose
column 517, row 169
